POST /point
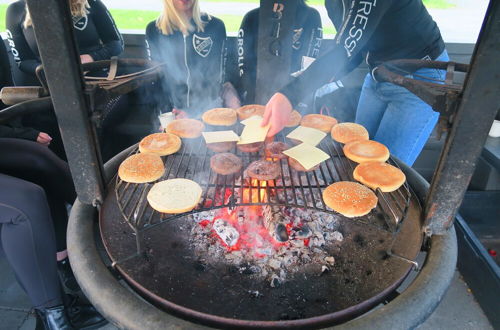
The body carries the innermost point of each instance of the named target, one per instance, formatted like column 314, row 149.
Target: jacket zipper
column 187, row 67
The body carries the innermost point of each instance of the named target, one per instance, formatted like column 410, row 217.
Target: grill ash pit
column 268, row 242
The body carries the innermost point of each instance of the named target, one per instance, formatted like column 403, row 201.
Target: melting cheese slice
column 253, row 132
column 251, row 120
column 307, row 155
column 220, row 136
column 307, row 135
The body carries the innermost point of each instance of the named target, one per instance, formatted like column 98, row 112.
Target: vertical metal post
column 274, row 53
column 476, row 111
column 58, row 51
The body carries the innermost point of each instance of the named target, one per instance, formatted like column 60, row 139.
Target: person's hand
column 86, row 58
column 43, row 139
column 278, row 111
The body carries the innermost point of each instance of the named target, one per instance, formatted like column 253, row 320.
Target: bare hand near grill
column 278, row 111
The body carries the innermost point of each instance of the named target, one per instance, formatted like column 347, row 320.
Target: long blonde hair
column 170, row 20
column 79, row 8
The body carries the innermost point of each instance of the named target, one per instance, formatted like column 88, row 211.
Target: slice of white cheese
column 220, row 136
column 307, row 135
column 251, row 119
column 307, row 155
column 253, row 132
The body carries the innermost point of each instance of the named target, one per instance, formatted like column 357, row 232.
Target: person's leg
column 371, row 107
column 406, row 124
column 33, row 162
column 408, row 121
column 28, row 240
column 36, row 163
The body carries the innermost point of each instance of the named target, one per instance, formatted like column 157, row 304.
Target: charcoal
column 226, row 232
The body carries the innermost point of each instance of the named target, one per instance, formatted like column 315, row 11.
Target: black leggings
column 35, row 163
column 28, row 240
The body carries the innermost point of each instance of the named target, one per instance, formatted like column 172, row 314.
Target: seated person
column 15, row 129
column 35, row 163
column 29, row 243
column 191, row 44
column 95, row 32
column 306, row 41
column 97, row 38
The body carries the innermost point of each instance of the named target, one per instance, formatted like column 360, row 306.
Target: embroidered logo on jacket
column 202, row 46
column 80, row 23
column 297, row 33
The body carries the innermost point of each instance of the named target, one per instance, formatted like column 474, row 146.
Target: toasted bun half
column 295, row 118
column 379, row 175
column 250, row 110
column 185, row 128
column 141, row 168
column 161, row 144
column 174, row 196
column 362, row 151
column 220, row 117
column 348, row 132
column 350, row 199
column 321, row 122
column 225, row 163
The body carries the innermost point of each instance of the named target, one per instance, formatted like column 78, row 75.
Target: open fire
column 267, row 241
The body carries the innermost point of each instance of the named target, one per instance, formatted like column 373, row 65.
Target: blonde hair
column 79, row 8
column 170, row 20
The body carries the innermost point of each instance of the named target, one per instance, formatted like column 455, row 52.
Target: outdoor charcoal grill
column 151, row 252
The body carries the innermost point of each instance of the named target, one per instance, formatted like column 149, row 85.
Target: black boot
column 83, row 316
column 67, row 277
column 54, row 318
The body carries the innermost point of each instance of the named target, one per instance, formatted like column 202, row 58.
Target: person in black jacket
column 97, row 38
column 95, row 32
column 383, row 30
column 192, row 47
column 306, row 42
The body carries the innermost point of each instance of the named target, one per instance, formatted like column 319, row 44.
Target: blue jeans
column 396, row 117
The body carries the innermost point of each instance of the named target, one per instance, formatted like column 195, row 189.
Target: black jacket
column 13, row 129
column 194, row 64
column 96, row 35
column 382, row 29
column 308, row 34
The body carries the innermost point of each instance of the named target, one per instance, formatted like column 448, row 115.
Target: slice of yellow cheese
column 253, row 132
column 251, row 120
column 307, row 155
column 220, row 136
column 307, row 135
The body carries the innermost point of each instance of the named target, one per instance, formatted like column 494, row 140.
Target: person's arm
column 246, row 56
column 23, row 55
column 160, row 92
column 313, row 34
column 152, row 42
column 112, row 41
column 25, row 133
column 355, row 32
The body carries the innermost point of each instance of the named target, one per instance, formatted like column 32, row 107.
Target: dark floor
column 458, row 310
